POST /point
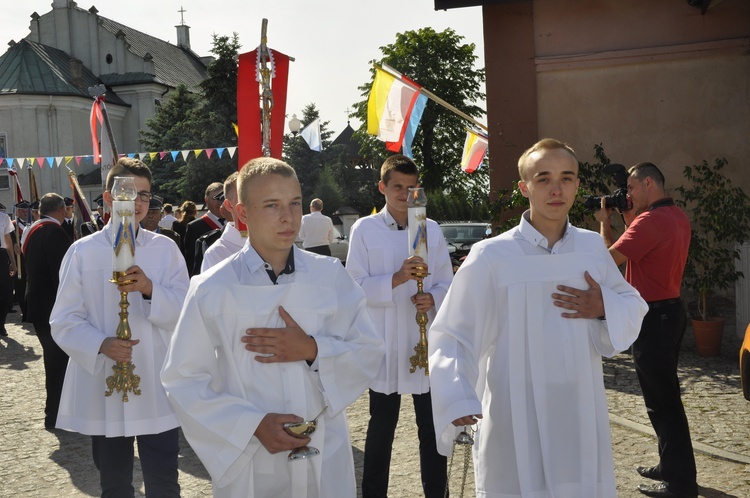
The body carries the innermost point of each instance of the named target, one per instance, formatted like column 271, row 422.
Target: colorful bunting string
column 59, row 161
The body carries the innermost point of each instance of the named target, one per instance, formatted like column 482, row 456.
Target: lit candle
column 123, row 223
column 417, row 202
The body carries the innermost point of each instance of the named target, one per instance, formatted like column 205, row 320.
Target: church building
column 45, row 103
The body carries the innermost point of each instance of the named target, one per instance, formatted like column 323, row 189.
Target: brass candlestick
column 417, row 226
column 123, row 380
column 419, row 358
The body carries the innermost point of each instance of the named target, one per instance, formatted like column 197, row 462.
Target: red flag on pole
column 249, row 106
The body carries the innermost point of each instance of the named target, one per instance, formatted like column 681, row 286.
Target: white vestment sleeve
column 378, row 288
column 71, row 329
column 350, row 352
column 463, row 333
column 624, row 311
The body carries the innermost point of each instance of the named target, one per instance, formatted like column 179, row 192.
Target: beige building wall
column 649, row 80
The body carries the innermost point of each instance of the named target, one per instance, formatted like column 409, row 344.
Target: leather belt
column 652, row 305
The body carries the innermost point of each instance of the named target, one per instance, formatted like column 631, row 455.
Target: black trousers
column 655, row 354
column 6, row 287
column 55, row 364
column 384, row 409
column 324, row 250
column 113, row 457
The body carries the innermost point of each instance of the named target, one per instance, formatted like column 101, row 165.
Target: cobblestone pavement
column 38, row 463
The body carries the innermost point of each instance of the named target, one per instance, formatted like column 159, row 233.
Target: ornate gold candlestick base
column 419, row 358
column 123, row 380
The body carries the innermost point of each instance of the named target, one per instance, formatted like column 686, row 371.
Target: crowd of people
column 238, row 335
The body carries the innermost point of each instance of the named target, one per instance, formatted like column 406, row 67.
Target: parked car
column 339, row 246
column 461, row 236
column 745, row 364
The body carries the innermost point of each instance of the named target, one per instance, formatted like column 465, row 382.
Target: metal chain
column 467, row 462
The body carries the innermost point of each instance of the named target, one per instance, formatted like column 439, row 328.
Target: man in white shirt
column 270, row 336
column 168, row 219
column 231, row 240
column 316, row 230
column 518, row 343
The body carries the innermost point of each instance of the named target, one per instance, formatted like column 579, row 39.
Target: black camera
column 617, row 200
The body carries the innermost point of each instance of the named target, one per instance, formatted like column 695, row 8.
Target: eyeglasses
column 145, row 196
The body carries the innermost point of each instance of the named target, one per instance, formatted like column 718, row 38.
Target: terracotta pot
column 708, row 336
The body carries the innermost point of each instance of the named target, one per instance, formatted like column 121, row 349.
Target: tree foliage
column 442, row 64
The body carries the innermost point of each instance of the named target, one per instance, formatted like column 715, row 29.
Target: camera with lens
column 619, row 198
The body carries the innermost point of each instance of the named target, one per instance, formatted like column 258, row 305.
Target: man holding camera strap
column 655, row 245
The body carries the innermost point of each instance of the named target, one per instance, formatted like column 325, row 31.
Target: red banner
column 249, row 105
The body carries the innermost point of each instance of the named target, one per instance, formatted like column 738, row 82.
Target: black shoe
column 650, row 472
column 660, row 490
column 3, row 332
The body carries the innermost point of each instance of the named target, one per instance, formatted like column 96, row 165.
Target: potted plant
column 720, row 218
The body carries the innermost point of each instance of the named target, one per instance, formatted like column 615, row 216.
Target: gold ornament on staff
column 417, row 202
column 123, row 225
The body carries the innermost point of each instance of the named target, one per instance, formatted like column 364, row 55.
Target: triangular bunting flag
column 231, row 151
column 184, row 154
column 143, row 155
column 40, row 161
column 209, row 152
column 197, row 152
column 174, row 154
column 131, row 155
column 152, row 155
column 162, row 155
column 219, row 152
column 50, row 161
column 68, row 159
column 58, row 161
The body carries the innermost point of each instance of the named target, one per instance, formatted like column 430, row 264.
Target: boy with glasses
column 84, row 322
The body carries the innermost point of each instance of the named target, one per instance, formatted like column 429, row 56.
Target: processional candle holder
column 122, row 225
column 417, row 204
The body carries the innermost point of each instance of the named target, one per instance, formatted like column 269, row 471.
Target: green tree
column 171, row 128
column 442, row 64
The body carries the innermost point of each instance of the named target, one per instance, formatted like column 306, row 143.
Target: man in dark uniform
column 21, row 222
column 98, row 222
column 212, row 220
column 67, row 223
column 44, row 246
column 151, row 221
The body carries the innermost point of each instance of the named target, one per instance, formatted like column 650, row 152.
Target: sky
column 332, row 41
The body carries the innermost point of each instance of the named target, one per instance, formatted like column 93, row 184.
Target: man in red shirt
column 655, row 246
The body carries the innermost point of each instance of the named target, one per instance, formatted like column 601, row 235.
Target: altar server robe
column 501, row 348
column 221, row 393
column 230, row 242
column 86, row 312
column 376, row 251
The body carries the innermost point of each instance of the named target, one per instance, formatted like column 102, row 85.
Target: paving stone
column 39, row 463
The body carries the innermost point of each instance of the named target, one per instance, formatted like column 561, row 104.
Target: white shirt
column 316, row 230
column 86, row 312
column 376, row 251
column 167, row 221
column 230, row 242
column 500, row 347
column 6, row 227
column 221, row 393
